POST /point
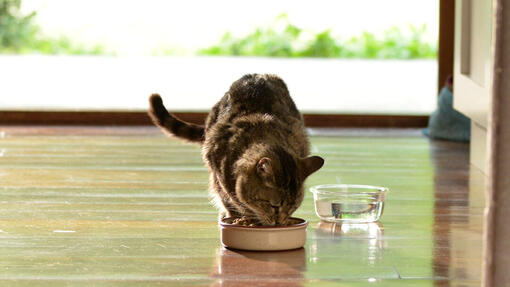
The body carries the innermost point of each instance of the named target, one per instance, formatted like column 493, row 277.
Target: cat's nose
column 276, row 209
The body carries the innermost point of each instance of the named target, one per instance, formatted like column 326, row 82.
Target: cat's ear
column 264, row 167
column 310, row 165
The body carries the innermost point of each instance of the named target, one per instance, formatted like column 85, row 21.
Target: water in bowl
column 348, row 211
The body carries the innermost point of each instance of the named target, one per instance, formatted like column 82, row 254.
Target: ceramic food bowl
column 263, row 238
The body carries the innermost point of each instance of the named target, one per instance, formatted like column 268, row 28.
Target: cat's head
column 270, row 184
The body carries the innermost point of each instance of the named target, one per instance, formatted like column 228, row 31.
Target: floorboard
column 129, row 207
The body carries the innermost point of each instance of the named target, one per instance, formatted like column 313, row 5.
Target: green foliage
column 288, row 42
column 323, row 45
column 15, row 29
column 62, row 45
column 18, row 34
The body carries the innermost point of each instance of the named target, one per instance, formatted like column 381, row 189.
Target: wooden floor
column 129, row 207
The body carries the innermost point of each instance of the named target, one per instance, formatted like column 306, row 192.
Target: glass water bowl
column 349, row 202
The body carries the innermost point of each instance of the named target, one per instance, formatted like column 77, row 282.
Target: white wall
column 197, row 83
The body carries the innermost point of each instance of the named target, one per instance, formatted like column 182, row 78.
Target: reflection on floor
column 127, row 206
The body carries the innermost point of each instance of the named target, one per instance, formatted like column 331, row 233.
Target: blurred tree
column 19, row 34
column 16, row 30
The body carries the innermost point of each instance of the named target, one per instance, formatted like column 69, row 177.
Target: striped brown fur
column 172, row 124
column 255, row 146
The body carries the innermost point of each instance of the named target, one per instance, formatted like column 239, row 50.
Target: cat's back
column 257, row 108
column 255, row 94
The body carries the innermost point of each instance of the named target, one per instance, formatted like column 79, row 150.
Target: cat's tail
column 171, row 124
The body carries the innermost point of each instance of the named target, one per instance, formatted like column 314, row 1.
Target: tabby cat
column 256, row 148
